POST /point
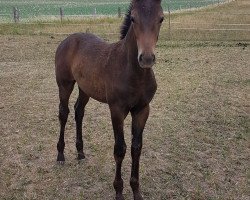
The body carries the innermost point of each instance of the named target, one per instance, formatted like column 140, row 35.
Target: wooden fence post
column 15, row 14
column 169, row 23
column 61, row 14
column 119, row 12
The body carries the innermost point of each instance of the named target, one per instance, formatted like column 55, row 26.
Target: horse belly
column 93, row 89
column 91, row 82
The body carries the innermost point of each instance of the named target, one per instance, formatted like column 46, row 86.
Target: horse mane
column 126, row 23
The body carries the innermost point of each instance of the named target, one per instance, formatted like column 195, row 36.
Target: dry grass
column 196, row 142
column 213, row 23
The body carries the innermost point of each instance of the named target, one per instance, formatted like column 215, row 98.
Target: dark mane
column 126, row 23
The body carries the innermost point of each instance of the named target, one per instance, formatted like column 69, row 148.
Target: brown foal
column 119, row 74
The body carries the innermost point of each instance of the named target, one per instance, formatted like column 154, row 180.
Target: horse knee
column 118, row 185
column 63, row 113
column 137, row 146
column 136, row 149
column 134, row 183
column 120, row 150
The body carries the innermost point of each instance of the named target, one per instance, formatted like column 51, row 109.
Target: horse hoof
column 60, row 162
column 119, row 197
column 80, row 156
column 60, row 157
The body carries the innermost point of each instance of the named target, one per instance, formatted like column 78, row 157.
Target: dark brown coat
column 119, row 74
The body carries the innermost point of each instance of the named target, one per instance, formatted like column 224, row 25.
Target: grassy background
column 35, row 9
column 227, row 22
column 196, row 141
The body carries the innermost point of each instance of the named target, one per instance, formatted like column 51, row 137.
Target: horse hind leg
column 65, row 90
column 79, row 114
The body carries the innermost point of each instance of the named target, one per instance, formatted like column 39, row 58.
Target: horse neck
column 131, row 49
column 129, row 45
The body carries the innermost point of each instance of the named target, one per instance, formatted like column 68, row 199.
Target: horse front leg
column 139, row 118
column 118, row 115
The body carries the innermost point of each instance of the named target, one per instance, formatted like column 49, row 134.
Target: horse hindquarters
column 65, row 84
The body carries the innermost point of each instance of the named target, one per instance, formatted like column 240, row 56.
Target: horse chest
column 133, row 91
column 144, row 92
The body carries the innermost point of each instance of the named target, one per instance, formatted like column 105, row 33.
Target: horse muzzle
column 146, row 60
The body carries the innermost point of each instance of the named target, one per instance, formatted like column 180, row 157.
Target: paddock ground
column 196, row 141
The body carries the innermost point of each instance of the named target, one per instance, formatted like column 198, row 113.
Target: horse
column 119, row 74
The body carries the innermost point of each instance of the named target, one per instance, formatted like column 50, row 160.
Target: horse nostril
column 140, row 58
column 153, row 57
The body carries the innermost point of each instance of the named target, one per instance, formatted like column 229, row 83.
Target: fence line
column 213, row 24
column 204, row 12
column 120, row 13
column 118, row 24
column 168, row 4
column 198, row 29
column 213, row 29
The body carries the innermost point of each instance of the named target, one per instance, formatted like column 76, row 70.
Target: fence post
column 169, row 22
column 119, row 12
column 61, row 14
column 95, row 12
column 15, row 14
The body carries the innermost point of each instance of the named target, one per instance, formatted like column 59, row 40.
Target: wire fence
column 221, row 20
column 31, row 10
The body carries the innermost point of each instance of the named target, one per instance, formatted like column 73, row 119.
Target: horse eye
column 132, row 19
column 162, row 19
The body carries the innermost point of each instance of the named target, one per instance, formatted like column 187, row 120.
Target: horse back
column 81, row 57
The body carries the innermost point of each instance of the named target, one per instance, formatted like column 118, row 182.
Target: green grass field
column 31, row 9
